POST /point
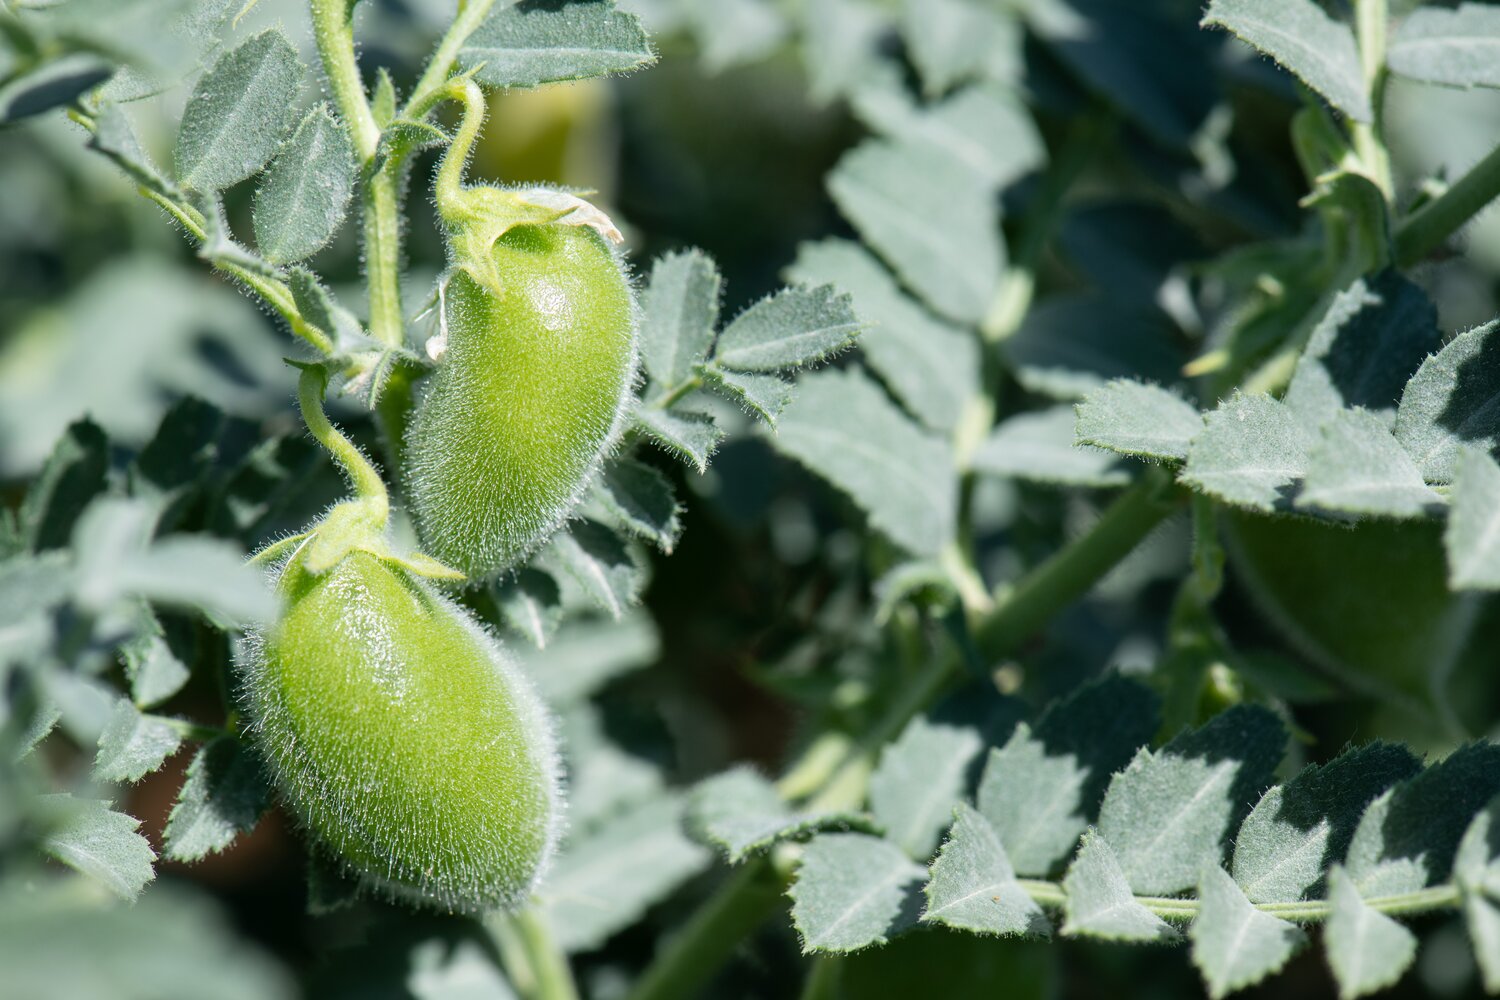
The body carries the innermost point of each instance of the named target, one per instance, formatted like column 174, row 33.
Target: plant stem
column 363, row 478
column 333, row 29
column 731, row 914
column 537, row 967
column 1051, row 895
column 1371, row 18
column 429, row 89
column 823, row 978
column 1424, row 230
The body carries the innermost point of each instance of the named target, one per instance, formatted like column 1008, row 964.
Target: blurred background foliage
column 756, row 631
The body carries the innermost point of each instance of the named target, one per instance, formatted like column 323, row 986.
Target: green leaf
column 973, row 887
column 1476, row 866
column 953, row 40
column 741, row 813
column 301, row 201
column 1139, row 419
column 74, row 474
column 1042, row 788
column 1296, row 830
column 679, row 310
column 1357, row 467
column 531, row 604
column 1374, row 335
column 153, row 669
column 604, row 881
column 114, row 136
column 319, row 308
column 1455, row 47
column 1367, row 949
column 930, row 365
column 1234, row 944
column 1038, row 446
column 133, row 745
column 1482, row 916
column 1098, row 902
column 1252, row 452
column 840, row 45
column 735, row 32
column 600, row 562
column 532, row 42
column 853, row 891
column 844, row 428
column 238, row 112
column 640, row 499
column 223, row 796
column 763, row 396
column 1304, row 40
column 1071, row 345
column 794, row 327
column 1407, row 838
column 921, row 776
column 1453, row 400
column 690, row 436
column 53, row 84
column 1472, row 537
column 588, row 653
column 103, row 844
column 1173, row 810
column 929, row 217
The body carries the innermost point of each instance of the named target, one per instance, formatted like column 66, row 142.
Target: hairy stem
column 429, row 89
column 1424, row 230
column 363, row 478
column 537, row 967
column 1371, row 18
column 333, row 29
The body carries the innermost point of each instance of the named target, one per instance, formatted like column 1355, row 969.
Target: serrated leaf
column 1098, row 902
column 587, row 653
column 1038, row 447
column 1173, row 810
column 1472, row 537
column 533, row 42
column 764, row 396
column 73, row 475
column 1252, row 452
column 1042, row 788
column 679, row 310
column 238, row 112
column 1453, row 400
column 952, row 40
column 604, row 881
column 690, row 436
column 1303, row 39
column 741, row 813
column 600, row 562
column 927, row 215
column 973, row 887
column 794, row 327
column 1407, row 838
column 1367, row 949
column 1296, row 830
column 223, row 796
column 845, row 429
column 930, row 365
column 1373, row 336
column 1071, row 345
column 300, row 203
column 1454, row 47
column 853, row 891
column 101, row 843
column 1139, row 419
column 531, row 604
column 640, row 499
column 133, row 745
column 1234, row 944
column 1357, row 467
column 921, row 776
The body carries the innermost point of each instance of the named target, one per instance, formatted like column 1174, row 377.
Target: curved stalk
column 364, row 480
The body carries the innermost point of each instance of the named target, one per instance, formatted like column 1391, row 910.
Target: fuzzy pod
column 403, row 738
column 529, row 393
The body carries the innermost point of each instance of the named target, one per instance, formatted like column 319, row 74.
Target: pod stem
column 451, row 201
column 363, row 478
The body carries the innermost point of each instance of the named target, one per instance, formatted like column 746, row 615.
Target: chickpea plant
column 1059, row 426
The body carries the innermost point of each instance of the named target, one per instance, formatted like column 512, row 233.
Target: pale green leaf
column 1453, row 400
column 1357, row 467
column 1476, row 866
column 301, row 201
column 223, row 796
column 531, row 42
column 531, row 604
column 690, row 436
column 640, row 499
column 735, row 32
column 853, row 891
column 1139, row 419
column 921, row 776
column 679, row 310
column 1234, row 944
column 1071, row 345
column 132, row 745
column 1367, row 949
column 103, row 844
column 1482, row 915
column 930, row 365
column 599, row 561
column 840, row 45
column 763, row 396
column 843, row 427
column 1252, row 453
column 929, row 217
column 238, row 112
column 587, row 653
column 741, row 813
column 1039, row 446
column 1098, row 902
column 1455, row 47
column 794, row 327
column 1302, row 38
column 1472, row 537
column 973, row 887
column 1172, row 811
column 954, row 40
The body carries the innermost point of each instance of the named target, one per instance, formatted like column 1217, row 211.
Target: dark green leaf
column 690, row 436
column 223, row 796
column 51, row 85
column 1072, row 345
column 640, row 499
column 73, row 476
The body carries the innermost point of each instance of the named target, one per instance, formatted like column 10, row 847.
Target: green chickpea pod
column 534, row 366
